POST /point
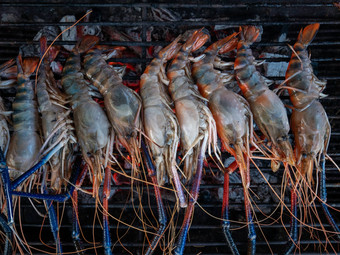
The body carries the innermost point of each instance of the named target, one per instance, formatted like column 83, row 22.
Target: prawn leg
column 6, row 182
column 293, row 235
column 31, row 171
column 323, row 197
column 162, row 219
column 251, row 229
column 225, row 214
column 7, row 250
column 309, row 121
column 192, row 200
column 75, row 220
column 10, row 186
column 106, row 196
column 53, row 222
column 61, row 198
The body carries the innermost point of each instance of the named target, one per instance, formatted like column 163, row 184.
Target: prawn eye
column 304, row 155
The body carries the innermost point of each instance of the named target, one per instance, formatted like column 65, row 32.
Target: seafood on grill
column 160, row 123
column 25, row 141
column 309, row 121
column 123, row 105
column 183, row 105
column 162, row 132
column 234, row 122
column 311, row 129
column 55, row 120
column 268, row 110
column 194, row 117
column 90, row 121
column 197, row 125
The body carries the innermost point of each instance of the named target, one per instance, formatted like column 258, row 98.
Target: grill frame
column 144, row 9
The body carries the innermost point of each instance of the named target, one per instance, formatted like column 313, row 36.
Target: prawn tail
column 226, row 44
column 249, row 34
column 9, row 69
column 197, row 40
column 170, row 51
column 307, row 34
column 86, row 43
column 27, row 66
column 52, row 51
column 110, row 52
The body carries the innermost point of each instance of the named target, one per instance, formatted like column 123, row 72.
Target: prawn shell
column 311, row 130
column 92, row 127
column 230, row 114
column 122, row 109
column 25, row 142
column 23, row 150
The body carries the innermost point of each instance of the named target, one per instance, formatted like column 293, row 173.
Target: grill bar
column 167, row 5
column 195, row 24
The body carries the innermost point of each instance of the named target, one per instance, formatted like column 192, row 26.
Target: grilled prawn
column 160, row 123
column 90, row 121
column 309, row 123
column 123, row 104
column 197, row 125
column 25, row 141
column 269, row 112
column 54, row 118
column 309, row 120
column 195, row 119
column 162, row 132
column 233, row 120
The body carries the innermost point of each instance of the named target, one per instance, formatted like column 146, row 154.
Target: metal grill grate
column 205, row 235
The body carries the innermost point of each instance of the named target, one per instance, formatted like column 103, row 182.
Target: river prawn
column 90, row 121
column 311, row 129
column 309, row 121
column 268, row 110
column 234, row 122
column 160, row 123
column 197, row 125
column 25, row 146
column 25, row 141
column 123, row 105
column 194, row 117
column 55, row 121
